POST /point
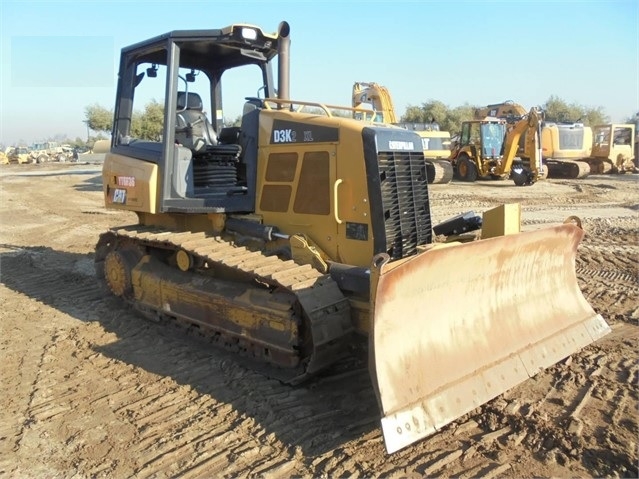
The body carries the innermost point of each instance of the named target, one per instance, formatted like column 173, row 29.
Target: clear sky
column 60, row 56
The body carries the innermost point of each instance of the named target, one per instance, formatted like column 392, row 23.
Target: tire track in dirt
column 208, row 414
column 607, row 268
column 120, row 396
column 164, row 420
column 159, row 409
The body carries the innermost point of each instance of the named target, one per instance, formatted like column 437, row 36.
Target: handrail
column 298, row 106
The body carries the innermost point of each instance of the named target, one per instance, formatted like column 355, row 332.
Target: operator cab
column 486, row 135
column 207, row 161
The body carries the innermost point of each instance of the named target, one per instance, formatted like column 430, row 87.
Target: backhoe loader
column 288, row 237
column 487, row 149
column 562, row 144
column 436, row 143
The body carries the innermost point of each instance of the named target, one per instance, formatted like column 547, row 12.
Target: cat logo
column 284, row 136
column 401, row 145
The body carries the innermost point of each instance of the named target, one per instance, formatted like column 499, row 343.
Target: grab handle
column 335, row 200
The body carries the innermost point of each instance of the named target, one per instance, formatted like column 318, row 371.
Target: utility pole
column 86, row 122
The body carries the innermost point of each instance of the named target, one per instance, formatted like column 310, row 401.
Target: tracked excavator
column 507, row 110
column 562, row 144
column 488, row 149
column 290, row 236
column 436, row 143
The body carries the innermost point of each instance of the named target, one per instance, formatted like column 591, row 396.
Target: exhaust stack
column 283, row 61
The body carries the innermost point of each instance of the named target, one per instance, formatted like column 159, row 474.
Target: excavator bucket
column 456, row 326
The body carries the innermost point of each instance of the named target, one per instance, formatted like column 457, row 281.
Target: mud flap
column 456, row 326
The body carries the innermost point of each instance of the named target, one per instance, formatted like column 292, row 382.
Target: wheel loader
column 290, row 236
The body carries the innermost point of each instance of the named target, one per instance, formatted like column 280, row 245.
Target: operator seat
column 192, row 128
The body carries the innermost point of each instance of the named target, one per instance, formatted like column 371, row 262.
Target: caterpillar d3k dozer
column 284, row 237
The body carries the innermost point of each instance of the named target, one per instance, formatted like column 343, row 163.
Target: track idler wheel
column 117, row 271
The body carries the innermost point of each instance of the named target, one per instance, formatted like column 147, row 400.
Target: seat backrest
column 192, row 128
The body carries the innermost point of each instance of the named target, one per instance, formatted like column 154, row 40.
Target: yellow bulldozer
column 613, row 149
column 436, row 143
column 19, row 155
column 288, row 237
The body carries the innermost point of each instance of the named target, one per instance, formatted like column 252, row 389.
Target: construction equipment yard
column 91, row 389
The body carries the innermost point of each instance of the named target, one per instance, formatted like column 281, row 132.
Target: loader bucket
column 456, row 326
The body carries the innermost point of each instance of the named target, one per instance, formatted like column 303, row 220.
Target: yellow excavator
column 288, row 237
column 507, row 110
column 488, row 149
column 436, row 143
column 562, row 144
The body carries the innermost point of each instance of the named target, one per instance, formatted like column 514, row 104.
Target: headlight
column 249, row 33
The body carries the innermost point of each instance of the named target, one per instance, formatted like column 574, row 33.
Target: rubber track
column 569, row 169
column 326, row 308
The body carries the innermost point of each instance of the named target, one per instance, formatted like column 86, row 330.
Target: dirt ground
column 90, row 389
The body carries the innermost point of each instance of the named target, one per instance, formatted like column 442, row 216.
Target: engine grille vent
column 405, row 204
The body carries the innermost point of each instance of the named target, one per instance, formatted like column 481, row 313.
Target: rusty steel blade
column 456, row 326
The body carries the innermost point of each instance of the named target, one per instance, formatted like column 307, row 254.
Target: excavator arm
column 508, row 110
column 531, row 125
column 377, row 96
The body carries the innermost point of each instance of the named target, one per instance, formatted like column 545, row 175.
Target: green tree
column 595, row 116
column 448, row 119
column 98, row 118
column 152, row 121
column 633, row 120
column 145, row 125
column 558, row 110
column 236, row 122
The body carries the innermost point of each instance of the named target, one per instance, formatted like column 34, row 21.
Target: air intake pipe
column 283, row 61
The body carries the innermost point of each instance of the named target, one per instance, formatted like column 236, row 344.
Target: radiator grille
column 405, row 206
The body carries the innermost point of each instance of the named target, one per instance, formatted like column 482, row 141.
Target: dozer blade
column 456, row 326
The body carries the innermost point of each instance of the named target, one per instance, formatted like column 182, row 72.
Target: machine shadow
column 90, row 184
column 317, row 416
